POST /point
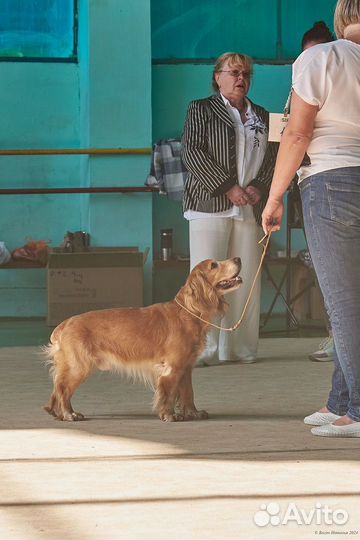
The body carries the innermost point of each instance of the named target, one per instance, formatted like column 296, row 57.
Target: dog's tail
column 48, row 352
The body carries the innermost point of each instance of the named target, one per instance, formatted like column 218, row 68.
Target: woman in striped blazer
column 230, row 165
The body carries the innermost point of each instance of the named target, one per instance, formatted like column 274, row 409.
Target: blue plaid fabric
column 167, row 171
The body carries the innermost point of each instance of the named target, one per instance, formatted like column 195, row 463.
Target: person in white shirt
column 230, row 165
column 325, row 123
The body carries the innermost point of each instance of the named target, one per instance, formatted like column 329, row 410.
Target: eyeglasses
column 236, row 73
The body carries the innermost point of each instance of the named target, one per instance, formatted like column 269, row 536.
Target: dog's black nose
column 237, row 260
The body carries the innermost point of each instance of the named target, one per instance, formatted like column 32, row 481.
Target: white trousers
column 223, row 238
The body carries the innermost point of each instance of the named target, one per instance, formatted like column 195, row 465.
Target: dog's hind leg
column 165, row 396
column 67, row 378
column 186, row 403
column 51, row 407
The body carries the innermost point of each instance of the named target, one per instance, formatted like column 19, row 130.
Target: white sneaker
column 325, row 352
column 320, row 418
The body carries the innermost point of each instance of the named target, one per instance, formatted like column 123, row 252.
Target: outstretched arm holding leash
column 293, row 145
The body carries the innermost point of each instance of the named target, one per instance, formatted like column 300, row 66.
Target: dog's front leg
column 186, row 398
column 165, row 396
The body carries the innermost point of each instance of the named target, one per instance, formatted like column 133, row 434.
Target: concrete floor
column 123, row 474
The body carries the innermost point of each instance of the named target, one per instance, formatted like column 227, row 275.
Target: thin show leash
column 236, row 326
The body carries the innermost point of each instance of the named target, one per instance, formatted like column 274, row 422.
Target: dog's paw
column 73, row 417
column 174, row 417
column 49, row 410
column 203, row 415
column 196, row 415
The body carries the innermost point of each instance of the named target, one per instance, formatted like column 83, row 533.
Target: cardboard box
column 100, row 278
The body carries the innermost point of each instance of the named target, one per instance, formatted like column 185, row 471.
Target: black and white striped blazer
column 210, row 157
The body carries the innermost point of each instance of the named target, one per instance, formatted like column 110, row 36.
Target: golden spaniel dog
column 158, row 344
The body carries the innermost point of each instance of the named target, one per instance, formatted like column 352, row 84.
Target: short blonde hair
column 234, row 60
column 346, row 12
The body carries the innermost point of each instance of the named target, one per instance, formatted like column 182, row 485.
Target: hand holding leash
column 272, row 215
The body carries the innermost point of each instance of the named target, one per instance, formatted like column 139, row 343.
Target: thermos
column 166, row 244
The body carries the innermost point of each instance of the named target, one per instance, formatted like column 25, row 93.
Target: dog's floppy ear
column 199, row 295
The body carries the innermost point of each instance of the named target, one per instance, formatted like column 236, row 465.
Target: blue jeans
column 331, row 207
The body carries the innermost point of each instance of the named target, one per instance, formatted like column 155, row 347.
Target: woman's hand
column 254, row 195
column 238, row 196
column 273, row 214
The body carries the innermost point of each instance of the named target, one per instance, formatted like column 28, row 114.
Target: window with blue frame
column 38, row 30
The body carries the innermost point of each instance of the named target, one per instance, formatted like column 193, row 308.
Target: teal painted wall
column 75, row 106
column 267, row 29
column 120, row 116
column 203, row 29
column 40, row 109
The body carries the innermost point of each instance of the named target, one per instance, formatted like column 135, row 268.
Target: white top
column 328, row 75
column 248, row 136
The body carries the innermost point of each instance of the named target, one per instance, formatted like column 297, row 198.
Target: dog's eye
column 214, row 265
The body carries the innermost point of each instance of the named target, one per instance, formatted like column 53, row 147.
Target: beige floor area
column 253, row 470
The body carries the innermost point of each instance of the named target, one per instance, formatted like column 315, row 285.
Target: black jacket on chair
column 209, row 155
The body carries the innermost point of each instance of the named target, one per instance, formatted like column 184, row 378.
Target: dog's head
column 223, row 276
column 208, row 282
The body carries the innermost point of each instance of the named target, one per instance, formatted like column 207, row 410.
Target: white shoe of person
column 325, row 352
column 320, row 418
column 332, row 430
